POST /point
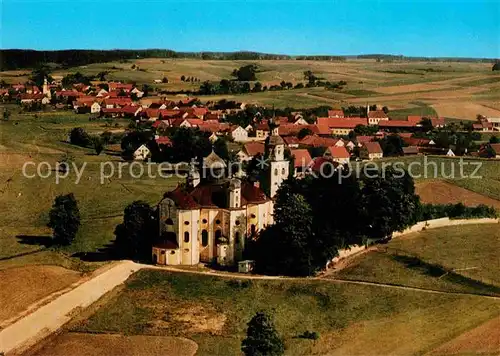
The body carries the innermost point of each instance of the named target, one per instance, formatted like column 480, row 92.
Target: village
column 337, row 137
column 289, row 213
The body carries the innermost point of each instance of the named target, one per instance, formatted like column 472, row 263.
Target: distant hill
column 11, row 59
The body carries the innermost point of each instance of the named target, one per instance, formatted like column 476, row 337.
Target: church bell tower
column 279, row 167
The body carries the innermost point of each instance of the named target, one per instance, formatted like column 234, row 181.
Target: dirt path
column 52, row 316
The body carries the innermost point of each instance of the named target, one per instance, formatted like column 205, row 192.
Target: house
column 213, row 137
column 316, row 141
column 410, row 151
column 371, row 151
column 250, row 150
column 113, row 86
column 495, row 122
column 389, row 125
column 291, row 141
column 337, row 154
column 163, row 140
column 137, row 92
column 142, row 153
column 213, row 216
column 31, row 98
column 302, row 161
column 374, row 117
column 435, row 121
column 495, row 150
column 339, row 114
column 350, row 145
column 482, row 126
column 95, row 107
column 450, row 153
column 341, row 126
column 262, row 130
column 239, row 134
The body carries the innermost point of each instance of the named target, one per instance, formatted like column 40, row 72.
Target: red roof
column 414, row 118
column 318, row 162
column 254, row 148
column 32, row 96
column 364, row 139
column 414, row 141
column 291, row 140
column 182, row 198
column 252, row 194
column 335, row 113
column 302, row 158
column 338, row 152
column 495, row 147
column 120, row 86
column 316, row 141
column 373, row 147
column 163, row 140
column 396, row 123
column 122, row 101
column 347, row 122
column 377, row 114
column 157, row 123
column 170, row 113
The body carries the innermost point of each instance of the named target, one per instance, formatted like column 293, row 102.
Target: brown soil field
column 438, row 192
column 21, row 287
column 82, row 344
column 464, row 110
column 484, row 340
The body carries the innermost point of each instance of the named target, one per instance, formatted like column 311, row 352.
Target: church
column 210, row 218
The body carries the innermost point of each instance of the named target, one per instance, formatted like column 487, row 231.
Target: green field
column 458, row 90
column 351, row 319
column 458, row 258
column 26, row 201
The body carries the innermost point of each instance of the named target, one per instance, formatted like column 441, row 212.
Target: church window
column 204, row 221
column 252, row 229
column 186, row 222
column 186, row 236
column 217, row 221
column 252, row 216
column 162, row 252
column 283, row 171
column 204, row 238
column 172, row 252
column 218, row 235
column 237, row 222
column 276, row 172
column 237, row 238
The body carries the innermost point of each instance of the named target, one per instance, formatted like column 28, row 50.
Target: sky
column 441, row 28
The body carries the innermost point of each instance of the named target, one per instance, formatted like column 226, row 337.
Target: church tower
column 279, row 167
column 45, row 88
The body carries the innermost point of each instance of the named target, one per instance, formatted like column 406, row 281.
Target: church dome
column 213, row 161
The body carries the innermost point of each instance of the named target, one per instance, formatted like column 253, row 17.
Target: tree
column 183, row 78
column 98, row 144
column 389, row 203
column 392, row 145
column 6, row 114
column 245, row 73
column 79, row 137
column 262, row 338
column 164, row 80
column 385, row 109
column 494, row 139
column 426, row 124
column 257, row 87
column 366, row 130
column 64, row 219
column 220, row 148
column 134, row 235
column 304, row 132
column 496, row 66
column 39, row 75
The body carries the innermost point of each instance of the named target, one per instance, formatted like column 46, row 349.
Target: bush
column 311, row 335
column 79, row 137
column 456, row 211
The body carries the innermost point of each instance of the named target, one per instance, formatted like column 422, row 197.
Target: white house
column 137, row 92
column 239, row 134
column 142, row 153
column 95, row 107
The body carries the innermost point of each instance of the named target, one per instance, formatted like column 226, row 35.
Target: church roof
column 213, row 161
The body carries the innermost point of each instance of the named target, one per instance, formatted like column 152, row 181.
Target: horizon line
column 248, row 51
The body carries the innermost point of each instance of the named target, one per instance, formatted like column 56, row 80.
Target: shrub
column 456, row 211
column 311, row 335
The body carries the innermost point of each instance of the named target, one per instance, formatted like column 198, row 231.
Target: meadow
column 351, row 319
column 25, row 203
column 448, row 89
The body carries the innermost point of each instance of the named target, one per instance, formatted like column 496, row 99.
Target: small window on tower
column 276, row 172
column 283, row 171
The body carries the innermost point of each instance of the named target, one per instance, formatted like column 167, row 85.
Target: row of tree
column 314, row 217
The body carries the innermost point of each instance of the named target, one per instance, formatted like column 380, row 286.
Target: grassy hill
column 351, row 319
